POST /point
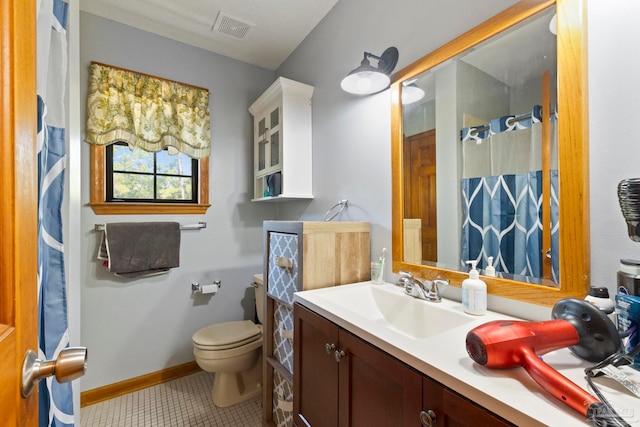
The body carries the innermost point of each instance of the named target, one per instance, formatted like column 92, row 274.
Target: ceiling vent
column 231, row 26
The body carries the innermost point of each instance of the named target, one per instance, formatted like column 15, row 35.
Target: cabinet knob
column 428, row 418
column 329, row 347
column 339, row 354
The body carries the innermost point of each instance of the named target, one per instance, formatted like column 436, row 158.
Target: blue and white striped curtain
column 502, row 195
column 56, row 400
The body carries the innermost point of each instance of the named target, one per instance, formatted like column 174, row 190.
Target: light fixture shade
column 365, row 82
column 367, row 79
column 411, row 93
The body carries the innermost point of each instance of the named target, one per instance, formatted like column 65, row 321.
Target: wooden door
column 315, row 377
column 420, row 188
column 18, row 207
column 375, row 388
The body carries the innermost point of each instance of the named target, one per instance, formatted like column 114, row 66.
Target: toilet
column 233, row 351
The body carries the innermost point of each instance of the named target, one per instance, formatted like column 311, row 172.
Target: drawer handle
column 285, row 405
column 339, row 354
column 428, row 418
column 284, row 262
column 287, row 333
column 329, row 347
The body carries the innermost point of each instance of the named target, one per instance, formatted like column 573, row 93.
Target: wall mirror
column 490, row 155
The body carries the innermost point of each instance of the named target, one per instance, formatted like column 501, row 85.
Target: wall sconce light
column 411, row 92
column 367, row 79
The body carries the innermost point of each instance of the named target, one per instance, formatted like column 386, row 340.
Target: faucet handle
column 434, row 290
column 405, row 278
column 439, row 281
column 405, row 274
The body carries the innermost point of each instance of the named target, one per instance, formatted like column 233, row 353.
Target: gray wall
column 614, row 102
column 133, row 327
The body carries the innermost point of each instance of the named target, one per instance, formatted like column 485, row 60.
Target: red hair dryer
column 578, row 325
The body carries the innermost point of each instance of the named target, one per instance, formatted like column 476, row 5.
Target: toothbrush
column 381, row 259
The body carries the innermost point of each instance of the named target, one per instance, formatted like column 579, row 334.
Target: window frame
column 155, row 174
column 101, row 206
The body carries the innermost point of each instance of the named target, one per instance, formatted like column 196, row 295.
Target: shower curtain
column 502, row 195
column 55, row 400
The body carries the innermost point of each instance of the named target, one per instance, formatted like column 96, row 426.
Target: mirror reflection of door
column 420, row 189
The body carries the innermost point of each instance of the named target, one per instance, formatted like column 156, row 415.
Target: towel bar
column 196, row 226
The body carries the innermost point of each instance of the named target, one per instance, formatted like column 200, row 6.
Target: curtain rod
column 150, row 75
column 516, row 118
column 196, row 226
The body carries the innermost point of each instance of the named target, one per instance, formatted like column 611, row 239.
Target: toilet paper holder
column 197, row 288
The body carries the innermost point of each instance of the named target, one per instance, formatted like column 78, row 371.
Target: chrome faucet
column 427, row 290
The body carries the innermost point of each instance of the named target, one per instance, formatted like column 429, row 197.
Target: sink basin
column 389, row 307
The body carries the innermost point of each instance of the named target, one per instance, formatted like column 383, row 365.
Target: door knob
column 70, row 364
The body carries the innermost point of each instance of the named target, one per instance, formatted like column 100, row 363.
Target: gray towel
column 134, row 249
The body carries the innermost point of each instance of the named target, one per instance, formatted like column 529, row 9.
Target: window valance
column 146, row 112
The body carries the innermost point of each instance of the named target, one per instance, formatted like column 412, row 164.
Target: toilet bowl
column 233, row 352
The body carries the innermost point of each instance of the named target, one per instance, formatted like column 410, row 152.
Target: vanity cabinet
column 282, row 142
column 301, row 255
column 341, row 380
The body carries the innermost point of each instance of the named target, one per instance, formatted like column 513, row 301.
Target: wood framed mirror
column 567, row 101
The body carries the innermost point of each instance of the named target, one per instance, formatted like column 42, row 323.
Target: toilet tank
column 259, row 290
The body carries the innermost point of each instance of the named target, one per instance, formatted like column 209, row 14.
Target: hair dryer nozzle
column 599, row 337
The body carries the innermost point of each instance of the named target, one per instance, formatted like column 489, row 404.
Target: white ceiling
column 280, row 25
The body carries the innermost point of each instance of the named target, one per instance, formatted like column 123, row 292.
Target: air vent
column 232, row 26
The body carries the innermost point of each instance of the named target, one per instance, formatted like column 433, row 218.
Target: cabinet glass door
column 275, row 149
column 262, row 144
column 262, row 154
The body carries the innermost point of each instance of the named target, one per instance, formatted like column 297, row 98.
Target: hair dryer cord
column 606, row 416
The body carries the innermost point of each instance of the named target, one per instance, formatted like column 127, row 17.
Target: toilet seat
column 227, row 335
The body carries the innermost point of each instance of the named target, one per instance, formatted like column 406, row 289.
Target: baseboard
column 110, row 391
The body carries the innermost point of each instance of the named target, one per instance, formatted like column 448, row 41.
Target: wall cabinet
column 301, row 255
column 341, row 380
column 282, row 142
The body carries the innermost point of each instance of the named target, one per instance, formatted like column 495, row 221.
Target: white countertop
column 510, row 393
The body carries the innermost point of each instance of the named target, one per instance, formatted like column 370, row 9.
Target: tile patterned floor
column 184, row 402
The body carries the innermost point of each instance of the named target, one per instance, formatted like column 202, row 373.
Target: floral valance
column 146, row 112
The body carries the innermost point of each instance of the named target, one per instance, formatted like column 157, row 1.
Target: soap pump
column 474, row 292
column 490, row 271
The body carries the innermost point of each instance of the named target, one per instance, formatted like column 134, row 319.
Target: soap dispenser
column 490, row 271
column 474, row 292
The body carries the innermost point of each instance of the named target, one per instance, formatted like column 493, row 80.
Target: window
column 140, row 182
column 136, row 175
column 151, row 114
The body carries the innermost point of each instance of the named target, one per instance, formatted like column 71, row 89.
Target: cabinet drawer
column 283, row 335
column 283, row 266
column 282, row 401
